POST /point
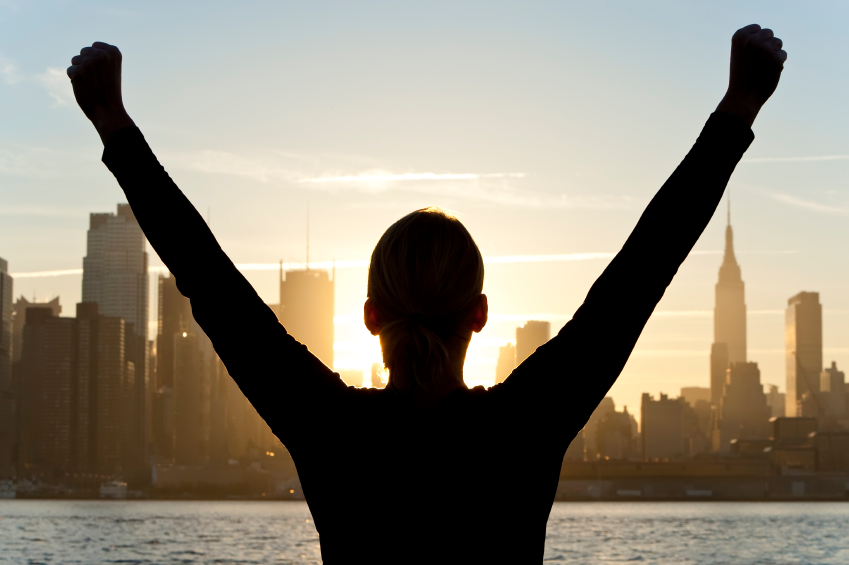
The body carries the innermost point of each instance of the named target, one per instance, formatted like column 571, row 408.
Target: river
column 50, row 531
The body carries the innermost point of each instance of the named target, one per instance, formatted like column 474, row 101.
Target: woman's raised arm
column 266, row 362
column 583, row 361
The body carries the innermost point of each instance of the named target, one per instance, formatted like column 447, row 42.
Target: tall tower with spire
column 729, row 317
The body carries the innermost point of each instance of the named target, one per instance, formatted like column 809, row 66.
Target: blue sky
column 547, row 125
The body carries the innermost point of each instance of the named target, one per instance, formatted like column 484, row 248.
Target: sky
column 547, row 126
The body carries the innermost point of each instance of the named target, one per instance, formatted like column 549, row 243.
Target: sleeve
column 268, row 364
column 565, row 379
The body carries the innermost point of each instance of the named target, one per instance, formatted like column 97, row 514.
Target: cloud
column 796, row 159
column 388, row 177
column 266, row 168
column 9, row 72
column 56, row 82
column 294, row 170
column 808, row 204
column 43, row 162
column 45, row 211
column 494, row 188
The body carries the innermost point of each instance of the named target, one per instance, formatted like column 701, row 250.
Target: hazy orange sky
column 546, row 125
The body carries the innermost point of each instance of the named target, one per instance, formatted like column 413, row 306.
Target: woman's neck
column 448, row 383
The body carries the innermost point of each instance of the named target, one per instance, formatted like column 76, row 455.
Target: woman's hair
column 424, row 280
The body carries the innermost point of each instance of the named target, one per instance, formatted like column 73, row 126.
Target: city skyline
column 367, row 356
column 547, row 141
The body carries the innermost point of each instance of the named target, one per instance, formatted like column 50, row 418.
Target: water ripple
column 245, row 533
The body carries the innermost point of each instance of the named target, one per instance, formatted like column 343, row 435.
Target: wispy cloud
column 388, row 177
column 56, row 82
column 808, row 204
column 43, row 162
column 270, row 167
column 44, row 211
column 294, row 170
column 796, row 159
column 9, row 72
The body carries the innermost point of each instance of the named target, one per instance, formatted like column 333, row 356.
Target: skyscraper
column 529, row 337
column 7, row 402
column 306, row 309
column 803, row 349
column 115, row 268
column 729, row 317
column 115, row 277
column 46, row 373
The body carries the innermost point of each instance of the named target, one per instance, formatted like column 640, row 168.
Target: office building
column 591, row 427
column 306, row 309
column 19, row 316
column 115, row 267
column 175, row 317
column 729, row 317
column 7, row 398
column 803, row 349
column 76, row 388
column 115, row 276
column 616, row 436
column 191, row 400
column 668, row 428
column 775, row 401
column 743, row 410
column 833, row 393
column 506, row 362
column 46, row 373
column 530, row 336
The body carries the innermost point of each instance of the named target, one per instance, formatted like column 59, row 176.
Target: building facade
column 833, row 393
column 76, row 388
column 530, row 336
column 803, row 350
column 19, row 316
column 306, row 309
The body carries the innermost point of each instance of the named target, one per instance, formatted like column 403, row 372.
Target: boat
column 113, row 489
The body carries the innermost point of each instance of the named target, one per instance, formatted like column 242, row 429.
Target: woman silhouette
column 430, row 487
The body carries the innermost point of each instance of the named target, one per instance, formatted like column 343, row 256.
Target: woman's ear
column 481, row 314
column 370, row 317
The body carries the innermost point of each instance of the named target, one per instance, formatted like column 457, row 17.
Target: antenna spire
column 729, row 207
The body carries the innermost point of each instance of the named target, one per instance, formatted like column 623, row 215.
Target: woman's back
column 463, row 479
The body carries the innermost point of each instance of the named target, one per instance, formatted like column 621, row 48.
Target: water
column 282, row 532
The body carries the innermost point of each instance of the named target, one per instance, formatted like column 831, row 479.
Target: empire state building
column 729, row 318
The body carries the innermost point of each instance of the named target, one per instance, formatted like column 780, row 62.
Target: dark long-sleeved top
column 472, row 478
